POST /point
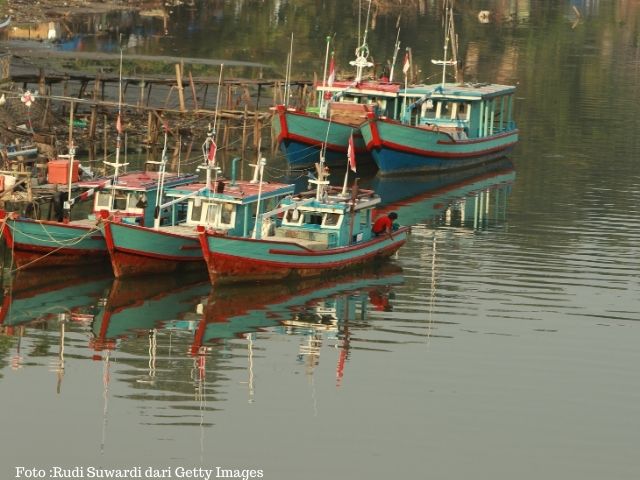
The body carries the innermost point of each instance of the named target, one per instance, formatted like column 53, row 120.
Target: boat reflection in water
column 31, row 298
column 136, row 306
column 313, row 309
column 471, row 198
column 35, row 305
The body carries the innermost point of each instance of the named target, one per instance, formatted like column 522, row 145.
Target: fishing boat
column 303, row 135
column 314, row 233
column 444, row 126
column 228, row 208
column 130, row 197
column 342, row 106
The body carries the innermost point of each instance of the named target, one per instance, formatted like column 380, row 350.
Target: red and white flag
column 211, row 155
column 407, row 64
column 332, row 72
column 351, row 154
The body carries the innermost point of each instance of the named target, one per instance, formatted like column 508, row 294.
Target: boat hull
column 399, row 149
column 39, row 244
column 235, row 259
column 301, row 136
column 136, row 250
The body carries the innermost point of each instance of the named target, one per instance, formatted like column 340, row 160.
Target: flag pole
column 351, row 152
column 324, row 75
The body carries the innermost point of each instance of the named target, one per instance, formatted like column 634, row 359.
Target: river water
column 500, row 343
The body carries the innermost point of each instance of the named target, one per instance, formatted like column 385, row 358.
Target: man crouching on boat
column 385, row 224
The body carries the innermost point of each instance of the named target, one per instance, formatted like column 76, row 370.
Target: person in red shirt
column 384, row 224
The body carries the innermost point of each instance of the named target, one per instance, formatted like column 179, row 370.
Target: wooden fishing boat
column 324, row 129
column 319, row 233
column 444, row 126
column 228, row 208
column 130, row 197
column 303, row 135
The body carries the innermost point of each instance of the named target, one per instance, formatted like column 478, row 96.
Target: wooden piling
column 179, row 87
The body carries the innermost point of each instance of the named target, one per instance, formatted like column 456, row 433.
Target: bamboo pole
column 193, row 91
column 179, row 87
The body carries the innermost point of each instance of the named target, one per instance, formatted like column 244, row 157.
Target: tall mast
column 362, row 52
column 448, row 33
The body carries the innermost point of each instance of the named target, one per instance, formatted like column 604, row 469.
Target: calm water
column 502, row 342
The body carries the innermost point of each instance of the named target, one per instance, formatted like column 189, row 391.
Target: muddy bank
column 29, row 11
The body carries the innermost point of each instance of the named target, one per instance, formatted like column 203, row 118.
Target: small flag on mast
column 407, row 64
column 211, row 156
column 119, row 124
column 351, row 154
column 332, row 71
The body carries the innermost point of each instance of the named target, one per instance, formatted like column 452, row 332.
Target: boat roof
column 463, row 91
column 335, row 202
column 369, row 88
column 141, row 181
column 240, row 191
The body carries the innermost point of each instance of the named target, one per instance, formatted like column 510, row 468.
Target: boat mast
column 448, row 36
column 396, row 48
column 117, row 163
column 324, row 74
column 210, row 142
column 362, row 52
column 287, row 87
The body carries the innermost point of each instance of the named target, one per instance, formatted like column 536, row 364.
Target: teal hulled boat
column 303, row 135
column 319, row 232
column 225, row 206
column 131, row 197
column 445, row 126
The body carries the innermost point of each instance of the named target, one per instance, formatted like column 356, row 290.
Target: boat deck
column 184, row 230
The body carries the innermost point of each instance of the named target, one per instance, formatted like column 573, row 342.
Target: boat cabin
column 334, row 221
column 132, row 199
column 464, row 111
column 348, row 102
column 232, row 207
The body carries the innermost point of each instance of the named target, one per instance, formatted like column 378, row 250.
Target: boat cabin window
column 196, row 210
column 293, row 217
column 139, row 200
column 427, row 109
column 331, row 220
column 120, row 201
column 212, row 214
column 462, row 112
column 312, row 218
column 226, row 214
column 103, row 201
